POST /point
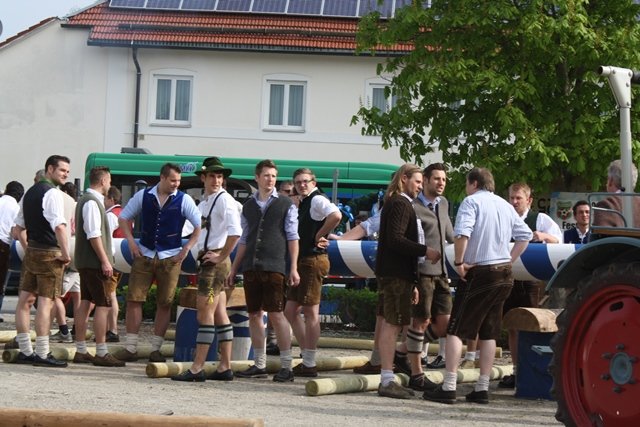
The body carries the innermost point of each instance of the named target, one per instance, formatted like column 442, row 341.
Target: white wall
column 60, row 96
column 52, row 99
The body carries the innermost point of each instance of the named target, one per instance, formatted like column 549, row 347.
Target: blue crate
column 533, row 380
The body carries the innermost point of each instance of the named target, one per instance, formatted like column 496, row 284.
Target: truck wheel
column 596, row 350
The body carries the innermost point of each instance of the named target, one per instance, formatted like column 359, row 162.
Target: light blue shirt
column 423, row 199
column 490, row 223
column 290, row 221
column 188, row 209
column 372, row 224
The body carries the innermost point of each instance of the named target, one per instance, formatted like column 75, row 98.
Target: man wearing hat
column 158, row 256
column 220, row 233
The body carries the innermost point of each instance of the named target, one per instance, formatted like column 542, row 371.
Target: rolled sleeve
column 291, row 224
column 190, row 211
column 465, row 219
column 321, row 207
column 92, row 224
column 53, row 208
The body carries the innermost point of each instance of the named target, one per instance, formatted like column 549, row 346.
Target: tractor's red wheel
column 595, row 364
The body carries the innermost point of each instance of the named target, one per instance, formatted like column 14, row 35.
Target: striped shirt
column 490, row 223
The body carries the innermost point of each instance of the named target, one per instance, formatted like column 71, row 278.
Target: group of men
column 282, row 245
column 282, row 254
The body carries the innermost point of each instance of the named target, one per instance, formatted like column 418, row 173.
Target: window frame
column 173, row 75
column 287, row 80
column 378, row 83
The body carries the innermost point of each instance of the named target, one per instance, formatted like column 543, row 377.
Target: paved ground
column 129, row 390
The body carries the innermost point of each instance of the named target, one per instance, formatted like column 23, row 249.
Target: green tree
column 505, row 84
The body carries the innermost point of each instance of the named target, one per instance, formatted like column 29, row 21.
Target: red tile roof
column 215, row 30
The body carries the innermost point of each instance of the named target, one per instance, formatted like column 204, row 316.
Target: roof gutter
column 136, row 118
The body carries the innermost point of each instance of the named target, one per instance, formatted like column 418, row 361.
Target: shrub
column 149, row 306
column 354, row 306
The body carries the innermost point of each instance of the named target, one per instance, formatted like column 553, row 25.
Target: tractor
column 596, row 351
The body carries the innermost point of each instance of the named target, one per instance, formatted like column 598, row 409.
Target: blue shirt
column 134, row 206
column 490, row 223
column 290, row 222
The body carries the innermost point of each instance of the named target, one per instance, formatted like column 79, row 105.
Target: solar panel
column 340, row 8
column 234, row 5
column 163, row 4
column 305, row 7
column 345, row 8
column 127, row 3
column 198, row 4
column 367, row 6
column 269, row 6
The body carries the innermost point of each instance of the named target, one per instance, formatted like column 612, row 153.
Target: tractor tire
column 596, row 350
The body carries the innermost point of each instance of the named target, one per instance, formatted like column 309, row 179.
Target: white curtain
column 163, row 99
column 276, row 104
column 296, row 100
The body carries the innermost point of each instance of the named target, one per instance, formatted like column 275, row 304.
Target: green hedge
column 149, row 307
column 354, row 306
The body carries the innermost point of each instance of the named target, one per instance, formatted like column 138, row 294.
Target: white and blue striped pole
column 357, row 258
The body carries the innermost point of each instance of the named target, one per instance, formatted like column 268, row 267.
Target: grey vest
column 435, row 233
column 266, row 246
column 84, row 254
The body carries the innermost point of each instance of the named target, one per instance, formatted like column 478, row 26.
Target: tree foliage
column 506, row 84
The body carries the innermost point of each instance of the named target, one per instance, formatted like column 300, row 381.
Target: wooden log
column 28, row 417
column 161, row 370
column 348, row 384
column 67, row 353
column 364, row 344
column 531, row 319
column 188, row 296
column 235, row 298
column 6, row 336
column 361, row 383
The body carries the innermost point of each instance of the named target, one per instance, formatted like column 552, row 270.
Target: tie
column 437, row 211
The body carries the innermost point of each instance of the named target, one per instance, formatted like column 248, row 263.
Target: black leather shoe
column 24, row 359
column 49, row 362
column 441, row 396
column 421, row 383
column 478, row 397
column 221, row 376
column 252, row 372
column 438, row 363
column 283, row 376
column 189, row 376
column 401, row 365
column 508, row 381
column 273, row 349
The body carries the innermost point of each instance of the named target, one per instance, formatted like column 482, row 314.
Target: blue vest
column 162, row 227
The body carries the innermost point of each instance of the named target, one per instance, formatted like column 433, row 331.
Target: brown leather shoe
column 82, row 358
column 108, row 360
column 125, row 355
column 157, row 357
column 303, row 371
column 367, row 369
column 395, row 391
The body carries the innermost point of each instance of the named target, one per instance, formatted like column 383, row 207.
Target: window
column 284, row 104
column 171, row 99
column 376, row 96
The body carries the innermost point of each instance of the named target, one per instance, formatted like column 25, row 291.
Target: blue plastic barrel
column 186, row 332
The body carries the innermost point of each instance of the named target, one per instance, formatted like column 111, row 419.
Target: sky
column 18, row 15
